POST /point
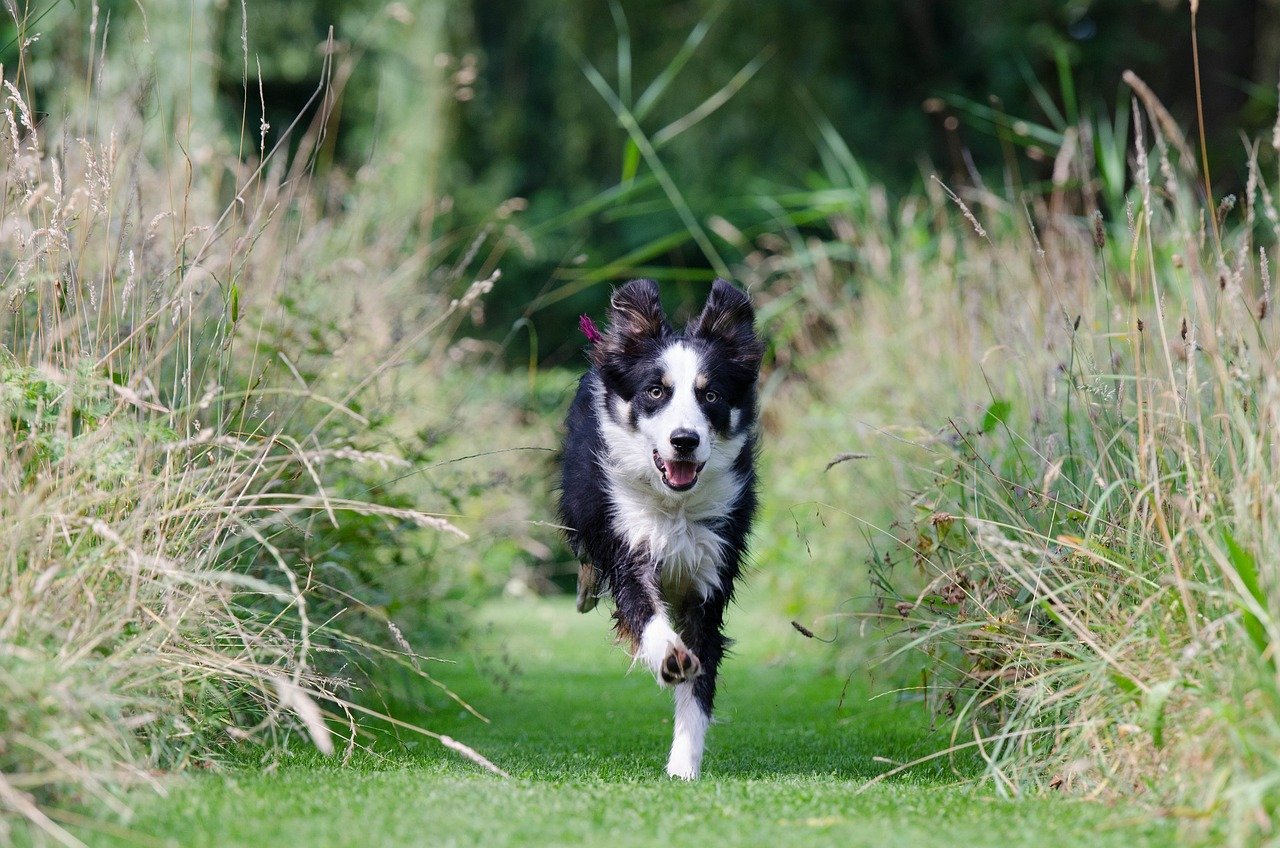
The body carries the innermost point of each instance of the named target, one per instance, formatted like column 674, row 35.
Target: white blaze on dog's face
column 671, row 417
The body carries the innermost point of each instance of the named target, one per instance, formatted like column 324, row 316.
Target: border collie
column 658, row 487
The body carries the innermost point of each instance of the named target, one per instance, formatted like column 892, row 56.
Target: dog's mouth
column 678, row 475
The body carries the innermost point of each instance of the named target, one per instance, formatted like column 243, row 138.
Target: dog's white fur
column 680, row 370
column 668, row 524
column 691, row 723
column 656, row 642
column 690, row 735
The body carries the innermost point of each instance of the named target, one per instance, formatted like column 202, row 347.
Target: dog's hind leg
column 588, row 586
column 701, row 625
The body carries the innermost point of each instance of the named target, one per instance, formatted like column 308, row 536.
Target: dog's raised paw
column 679, row 665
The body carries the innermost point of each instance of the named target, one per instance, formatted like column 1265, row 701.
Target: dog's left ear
column 729, row 319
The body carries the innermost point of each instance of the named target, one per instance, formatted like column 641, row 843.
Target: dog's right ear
column 635, row 318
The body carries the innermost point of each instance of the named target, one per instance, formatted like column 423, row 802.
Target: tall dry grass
column 164, row 431
column 1081, row 406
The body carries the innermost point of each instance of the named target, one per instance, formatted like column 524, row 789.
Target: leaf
column 997, row 413
column 1124, row 683
column 668, row 74
column 712, row 103
column 1247, row 568
column 471, row 754
column 293, row 697
column 630, row 161
column 1153, row 710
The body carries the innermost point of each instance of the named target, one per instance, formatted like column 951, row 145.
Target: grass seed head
column 1224, row 208
column 1099, row 232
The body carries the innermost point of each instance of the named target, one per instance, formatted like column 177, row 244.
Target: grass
column 585, row 745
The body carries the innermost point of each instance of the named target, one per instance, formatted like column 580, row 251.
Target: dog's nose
column 684, row 440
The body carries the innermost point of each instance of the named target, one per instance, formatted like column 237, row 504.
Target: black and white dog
column 658, row 487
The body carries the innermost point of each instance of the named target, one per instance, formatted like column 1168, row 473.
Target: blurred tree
column 410, row 128
column 536, row 124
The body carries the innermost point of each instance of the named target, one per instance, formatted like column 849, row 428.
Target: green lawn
column 585, row 744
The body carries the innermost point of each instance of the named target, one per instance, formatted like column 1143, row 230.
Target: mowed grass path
column 586, row 743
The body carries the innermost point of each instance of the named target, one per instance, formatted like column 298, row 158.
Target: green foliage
column 71, row 418
column 158, row 455
column 979, row 90
column 239, row 418
column 1246, row 568
column 997, row 413
column 1078, row 580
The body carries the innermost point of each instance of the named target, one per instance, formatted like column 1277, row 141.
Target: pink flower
column 589, row 330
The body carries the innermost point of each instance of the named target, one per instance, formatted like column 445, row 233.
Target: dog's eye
column 655, row 392
column 711, row 397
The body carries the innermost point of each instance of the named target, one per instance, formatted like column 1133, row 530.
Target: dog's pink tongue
column 681, row 473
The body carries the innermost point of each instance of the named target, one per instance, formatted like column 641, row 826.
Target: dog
column 658, row 487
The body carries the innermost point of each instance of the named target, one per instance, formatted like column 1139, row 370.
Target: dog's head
column 684, row 399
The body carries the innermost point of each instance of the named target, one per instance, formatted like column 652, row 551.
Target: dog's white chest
column 686, row 552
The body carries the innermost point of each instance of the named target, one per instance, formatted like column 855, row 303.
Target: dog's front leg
column 642, row 619
column 702, row 624
column 690, row 732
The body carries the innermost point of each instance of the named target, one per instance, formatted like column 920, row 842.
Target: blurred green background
column 487, row 101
